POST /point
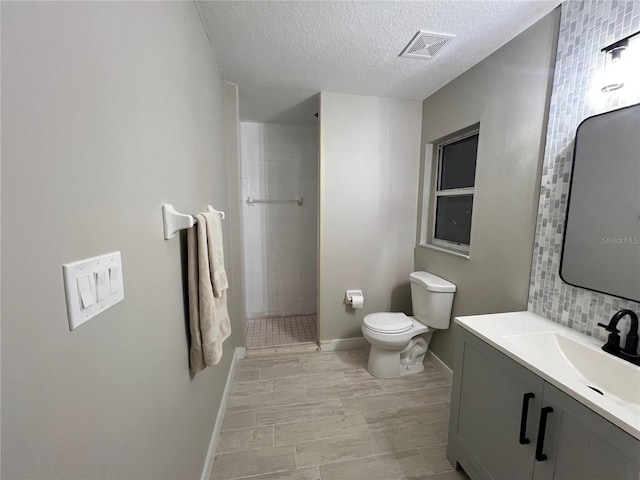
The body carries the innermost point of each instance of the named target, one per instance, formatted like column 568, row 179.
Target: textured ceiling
column 283, row 53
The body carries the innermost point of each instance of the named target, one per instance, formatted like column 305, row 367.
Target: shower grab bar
column 251, row 201
column 175, row 221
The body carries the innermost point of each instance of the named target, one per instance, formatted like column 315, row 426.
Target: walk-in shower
column 279, row 178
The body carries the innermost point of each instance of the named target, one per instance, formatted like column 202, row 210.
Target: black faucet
column 630, row 350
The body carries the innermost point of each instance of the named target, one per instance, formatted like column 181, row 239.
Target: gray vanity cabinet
column 486, row 412
column 496, row 407
column 582, row 445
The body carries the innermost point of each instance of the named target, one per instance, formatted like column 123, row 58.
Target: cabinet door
column 581, row 445
column 486, row 413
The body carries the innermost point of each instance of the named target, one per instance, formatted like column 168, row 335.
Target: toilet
column 399, row 342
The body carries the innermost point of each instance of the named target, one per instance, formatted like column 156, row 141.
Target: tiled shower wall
column 280, row 162
column 585, row 28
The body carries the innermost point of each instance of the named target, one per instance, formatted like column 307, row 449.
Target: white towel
column 216, row 253
column 208, row 317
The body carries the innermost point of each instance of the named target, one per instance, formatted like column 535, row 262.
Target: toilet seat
column 385, row 322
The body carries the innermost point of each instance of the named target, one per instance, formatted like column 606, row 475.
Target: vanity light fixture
column 617, row 65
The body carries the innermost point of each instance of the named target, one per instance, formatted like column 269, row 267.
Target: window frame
column 436, row 192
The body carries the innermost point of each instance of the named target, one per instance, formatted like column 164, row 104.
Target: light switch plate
column 90, row 267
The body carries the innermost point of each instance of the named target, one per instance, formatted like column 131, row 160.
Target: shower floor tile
column 290, row 331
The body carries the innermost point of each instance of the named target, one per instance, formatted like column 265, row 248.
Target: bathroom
column 110, row 110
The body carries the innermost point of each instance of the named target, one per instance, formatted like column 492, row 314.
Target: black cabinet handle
column 523, row 418
column 541, row 457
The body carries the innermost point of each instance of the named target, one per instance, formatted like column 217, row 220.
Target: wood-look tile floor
column 322, row 416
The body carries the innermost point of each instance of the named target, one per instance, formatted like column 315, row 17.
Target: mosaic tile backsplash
column 585, row 28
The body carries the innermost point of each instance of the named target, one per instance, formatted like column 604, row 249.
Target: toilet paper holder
column 356, row 296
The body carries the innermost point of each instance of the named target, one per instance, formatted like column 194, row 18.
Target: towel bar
column 251, row 201
column 175, row 221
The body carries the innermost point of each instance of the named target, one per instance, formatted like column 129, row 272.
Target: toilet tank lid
column 432, row 282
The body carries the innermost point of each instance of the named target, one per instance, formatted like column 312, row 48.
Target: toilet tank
column 432, row 298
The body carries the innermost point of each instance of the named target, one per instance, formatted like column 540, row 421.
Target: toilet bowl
column 391, row 344
column 400, row 342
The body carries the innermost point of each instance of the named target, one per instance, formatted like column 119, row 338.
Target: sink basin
column 593, row 367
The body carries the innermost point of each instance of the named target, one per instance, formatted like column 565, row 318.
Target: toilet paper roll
column 357, row 301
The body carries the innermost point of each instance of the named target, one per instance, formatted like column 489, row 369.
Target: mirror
column 601, row 248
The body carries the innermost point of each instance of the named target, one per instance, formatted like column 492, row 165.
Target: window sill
column 445, row 250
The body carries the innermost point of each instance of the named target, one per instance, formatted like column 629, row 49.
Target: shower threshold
column 292, row 333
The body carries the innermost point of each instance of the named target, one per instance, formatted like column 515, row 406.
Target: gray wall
column 108, row 110
column 508, row 94
column 585, row 28
column 369, row 160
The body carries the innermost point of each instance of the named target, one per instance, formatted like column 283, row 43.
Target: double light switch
column 91, row 286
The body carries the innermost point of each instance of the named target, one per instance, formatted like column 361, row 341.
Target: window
column 450, row 206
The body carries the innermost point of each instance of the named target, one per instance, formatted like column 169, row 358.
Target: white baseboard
column 238, row 354
column 439, row 364
column 343, row 344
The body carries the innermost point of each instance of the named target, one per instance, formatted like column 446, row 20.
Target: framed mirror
column 601, row 248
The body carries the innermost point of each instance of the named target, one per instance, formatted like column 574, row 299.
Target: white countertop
column 502, row 331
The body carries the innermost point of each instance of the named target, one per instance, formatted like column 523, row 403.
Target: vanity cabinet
column 498, row 409
column 580, row 444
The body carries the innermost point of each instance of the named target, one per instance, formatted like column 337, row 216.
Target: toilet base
column 397, row 363
column 384, row 363
column 410, row 370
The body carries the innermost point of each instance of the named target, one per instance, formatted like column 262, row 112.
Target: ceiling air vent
column 425, row 44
